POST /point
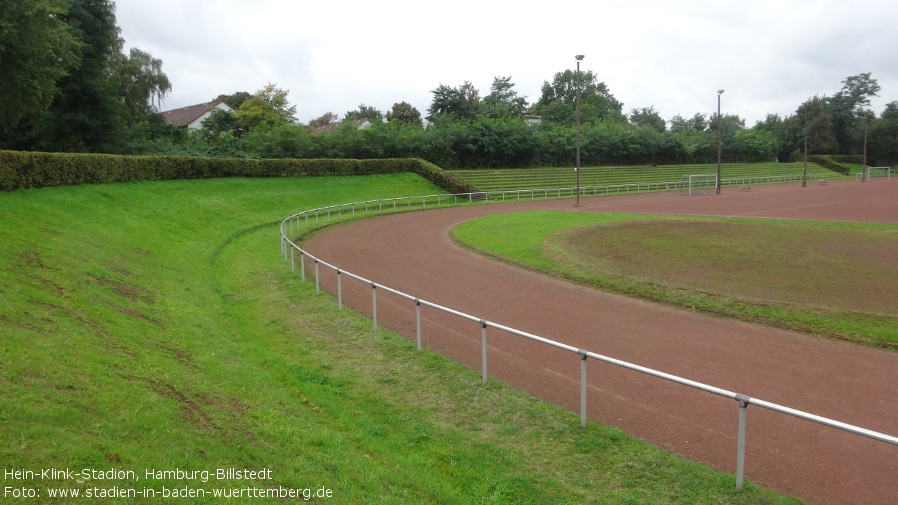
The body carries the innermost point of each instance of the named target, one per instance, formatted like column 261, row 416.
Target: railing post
column 339, row 291
column 418, row 322
column 483, row 346
column 317, row 283
column 582, row 354
column 374, row 306
column 292, row 261
column 302, row 265
column 740, row 452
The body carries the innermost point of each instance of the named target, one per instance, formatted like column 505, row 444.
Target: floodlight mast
column 578, row 57
column 719, row 92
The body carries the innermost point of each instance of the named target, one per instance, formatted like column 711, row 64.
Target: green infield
column 154, row 341
column 832, row 279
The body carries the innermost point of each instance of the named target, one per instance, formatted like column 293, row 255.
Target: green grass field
column 796, row 275
column 154, row 326
column 565, row 177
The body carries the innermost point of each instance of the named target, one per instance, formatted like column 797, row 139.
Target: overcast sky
column 768, row 56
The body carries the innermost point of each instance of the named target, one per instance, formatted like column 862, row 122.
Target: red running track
column 413, row 253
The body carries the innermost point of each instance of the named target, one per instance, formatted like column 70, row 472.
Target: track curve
column 414, row 254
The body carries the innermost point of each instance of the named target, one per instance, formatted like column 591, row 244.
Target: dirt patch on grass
column 832, row 267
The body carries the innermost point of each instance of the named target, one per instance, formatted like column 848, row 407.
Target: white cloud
column 769, row 56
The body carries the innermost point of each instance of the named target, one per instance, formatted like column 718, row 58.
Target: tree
column 235, row 100
column 325, row 120
column 847, row 108
column 142, row 84
column 647, row 116
column 883, row 136
column 503, row 100
column 268, row 106
column 364, row 112
column 557, row 102
column 453, row 103
column 36, row 51
column 404, row 113
column 88, row 114
column 679, row 124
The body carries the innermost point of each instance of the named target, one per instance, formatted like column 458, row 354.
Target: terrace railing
column 296, row 224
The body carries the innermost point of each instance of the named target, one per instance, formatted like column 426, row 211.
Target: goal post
column 697, row 184
column 877, row 173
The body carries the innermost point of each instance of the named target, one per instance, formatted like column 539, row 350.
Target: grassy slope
column 522, row 238
column 154, row 326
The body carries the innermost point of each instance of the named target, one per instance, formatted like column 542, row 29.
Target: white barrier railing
column 394, row 203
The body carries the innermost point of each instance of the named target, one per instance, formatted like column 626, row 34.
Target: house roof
column 186, row 115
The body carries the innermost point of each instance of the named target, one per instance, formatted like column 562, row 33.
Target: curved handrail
column 744, row 400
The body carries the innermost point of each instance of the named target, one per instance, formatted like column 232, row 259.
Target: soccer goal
column 697, row 184
column 877, row 173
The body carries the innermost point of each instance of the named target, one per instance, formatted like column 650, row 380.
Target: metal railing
column 289, row 250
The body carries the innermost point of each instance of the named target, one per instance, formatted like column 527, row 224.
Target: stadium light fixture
column 719, row 121
column 578, row 57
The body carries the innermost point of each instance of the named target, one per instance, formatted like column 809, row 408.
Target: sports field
column 836, row 379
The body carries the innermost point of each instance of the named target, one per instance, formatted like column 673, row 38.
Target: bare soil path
column 414, row 254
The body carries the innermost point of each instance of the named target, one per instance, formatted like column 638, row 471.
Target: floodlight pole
column 804, row 177
column 577, row 169
column 864, row 167
column 719, row 92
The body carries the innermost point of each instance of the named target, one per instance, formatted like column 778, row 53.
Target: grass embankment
column 154, row 326
column 832, row 279
column 565, row 177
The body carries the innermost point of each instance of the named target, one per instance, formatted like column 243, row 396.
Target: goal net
column 697, row 184
column 877, row 173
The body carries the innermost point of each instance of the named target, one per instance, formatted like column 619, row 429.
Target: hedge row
column 22, row 170
column 835, row 162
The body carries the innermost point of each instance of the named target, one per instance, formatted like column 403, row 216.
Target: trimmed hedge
column 835, row 162
column 22, row 170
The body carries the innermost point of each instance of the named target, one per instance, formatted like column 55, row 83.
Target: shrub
column 22, row 170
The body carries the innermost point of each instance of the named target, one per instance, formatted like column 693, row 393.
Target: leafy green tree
column 364, row 112
column 557, row 102
column 454, row 103
column 883, row 136
column 37, row 49
column 142, row 83
column 503, row 101
column 268, row 106
column 235, row 100
column 88, row 114
column 404, row 113
column 697, row 123
column 811, row 119
column 847, row 109
column 648, row 116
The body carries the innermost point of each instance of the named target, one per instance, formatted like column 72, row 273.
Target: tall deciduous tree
column 453, row 103
column 235, row 100
column 364, row 112
column 503, row 100
column 847, row 110
column 648, row 116
column 36, row 51
column 557, row 102
column 404, row 113
column 268, row 106
column 142, row 83
column 88, row 114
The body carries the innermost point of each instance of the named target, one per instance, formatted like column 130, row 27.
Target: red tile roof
column 186, row 115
